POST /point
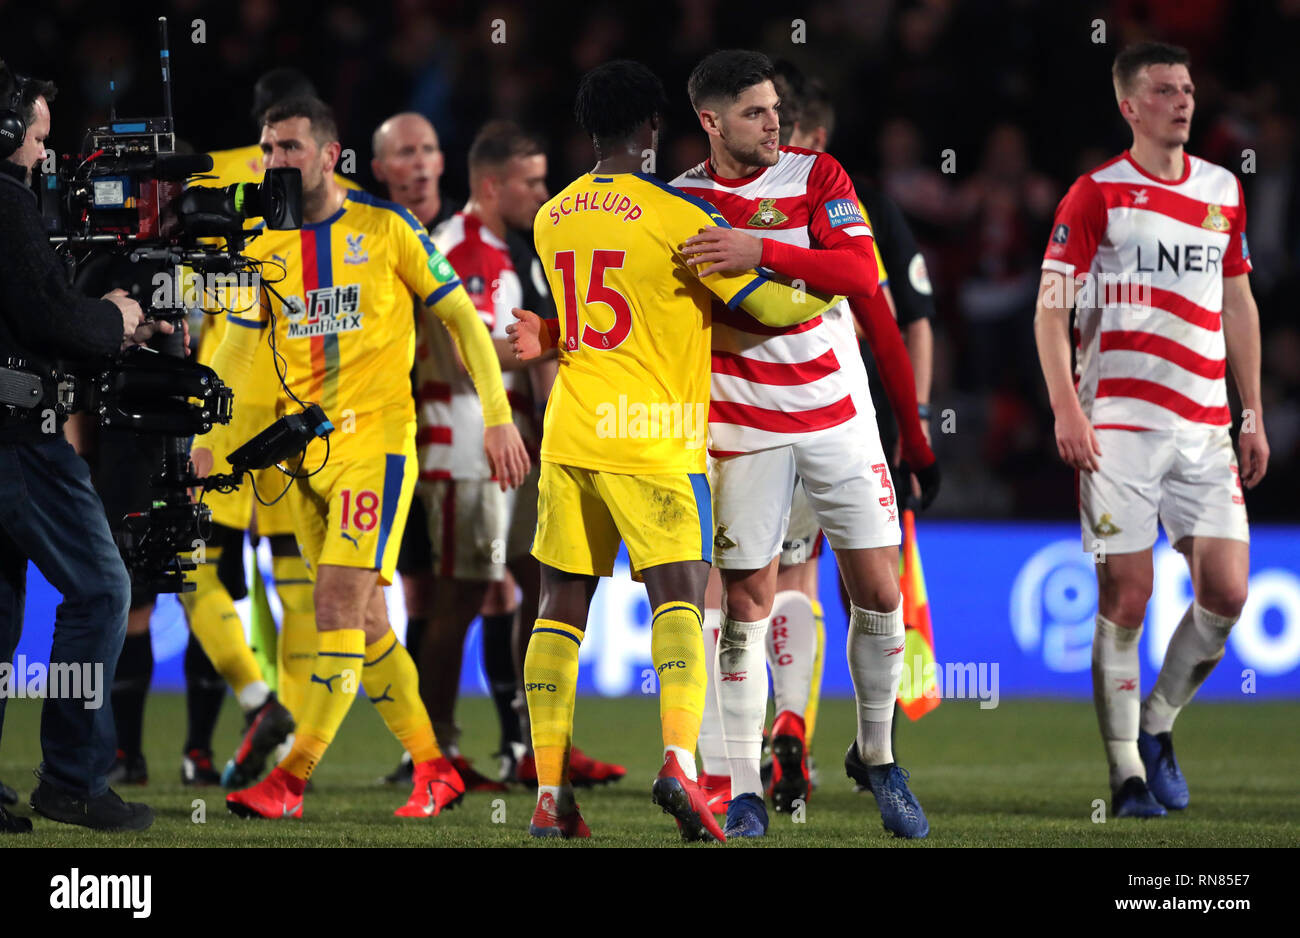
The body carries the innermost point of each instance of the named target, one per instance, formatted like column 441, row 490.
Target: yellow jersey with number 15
column 632, row 390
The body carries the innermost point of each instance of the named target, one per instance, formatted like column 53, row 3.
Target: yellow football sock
column 335, row 677
column 815, row 691
column 297, row 646
column 677, row 650
column 394, row 688
column 551, row 685
column 217, row 626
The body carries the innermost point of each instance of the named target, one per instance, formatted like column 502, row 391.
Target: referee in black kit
column 49, row 514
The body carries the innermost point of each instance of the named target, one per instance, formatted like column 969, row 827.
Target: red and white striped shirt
column 1151, row 356
column 450, row 421
column 772, row 387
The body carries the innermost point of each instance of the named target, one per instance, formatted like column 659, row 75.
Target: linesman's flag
column 918, row 691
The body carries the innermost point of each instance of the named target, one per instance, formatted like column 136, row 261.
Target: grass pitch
column 1025, row 774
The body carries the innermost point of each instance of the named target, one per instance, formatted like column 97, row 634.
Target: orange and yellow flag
column 918, row 691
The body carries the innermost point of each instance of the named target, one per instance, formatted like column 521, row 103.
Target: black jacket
column 42, row 318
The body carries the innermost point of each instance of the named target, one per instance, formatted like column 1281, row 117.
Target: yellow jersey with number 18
column 632, row 390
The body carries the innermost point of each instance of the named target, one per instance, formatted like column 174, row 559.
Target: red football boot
column 789, row 762
column 437, row 785
column 717, row 789
column 279, row 795
column 548, row 821
column 584, row 771
column 682, row 798
column 526, row 771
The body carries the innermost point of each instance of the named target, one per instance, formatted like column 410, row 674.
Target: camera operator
column 49, row 514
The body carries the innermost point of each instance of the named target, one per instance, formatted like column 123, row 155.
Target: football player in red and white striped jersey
column 791, row 406
column 1156, row 239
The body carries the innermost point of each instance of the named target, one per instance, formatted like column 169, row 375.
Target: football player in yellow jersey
column 623, row 449
column 220, row 580
column 336, row 304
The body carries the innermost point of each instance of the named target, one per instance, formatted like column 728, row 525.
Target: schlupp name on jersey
column 326, row 311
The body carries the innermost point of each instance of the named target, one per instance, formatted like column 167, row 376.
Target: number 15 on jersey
column 597, row 292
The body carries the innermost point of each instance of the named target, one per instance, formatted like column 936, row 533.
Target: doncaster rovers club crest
column 767, row 215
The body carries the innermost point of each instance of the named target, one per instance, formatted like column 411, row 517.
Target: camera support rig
column 126, row 196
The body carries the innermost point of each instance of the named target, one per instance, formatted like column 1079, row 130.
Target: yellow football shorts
column 352, row 513
column 582, row 514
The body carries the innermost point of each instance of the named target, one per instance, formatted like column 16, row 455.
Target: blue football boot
column 746, row 816
column 1134, row 799
column 1164, row 778
column 899, row 810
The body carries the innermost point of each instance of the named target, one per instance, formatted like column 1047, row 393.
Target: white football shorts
column 1186, row 479
column 844, row 474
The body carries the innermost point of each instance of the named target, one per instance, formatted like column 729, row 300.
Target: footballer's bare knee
column 871, row 577
column 1220, row 573
column 376, row 615
column 566, row 597
column 683, row 581
column 1124, row 587
column 341, row 595
column 1222, row 592
column 748, row 594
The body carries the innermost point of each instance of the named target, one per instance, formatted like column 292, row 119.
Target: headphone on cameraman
column 13, row 127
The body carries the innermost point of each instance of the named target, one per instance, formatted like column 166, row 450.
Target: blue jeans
column 50, row 514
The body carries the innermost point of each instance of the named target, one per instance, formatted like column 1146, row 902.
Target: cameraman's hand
column 201, row 459
column 132, row 314
column 146, row 331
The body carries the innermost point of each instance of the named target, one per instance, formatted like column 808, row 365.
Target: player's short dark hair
column 723, row 75
column 324, row 129
column 279, row 84
column 1137, row 56
column 616, row 98
column 32, row 88
column 789, row 84
column 818, row 110
column 498, row 142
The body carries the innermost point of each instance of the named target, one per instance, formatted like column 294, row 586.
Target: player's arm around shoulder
column 759, row 293
column 1242, row 342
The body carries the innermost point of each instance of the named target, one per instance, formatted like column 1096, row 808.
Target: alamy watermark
column 1099, row 290
column 959, row 680
column 640, row 421
column 61, row 680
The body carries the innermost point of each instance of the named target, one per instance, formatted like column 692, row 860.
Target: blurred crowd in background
column 1013, row 97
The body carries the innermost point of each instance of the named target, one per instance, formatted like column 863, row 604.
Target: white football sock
column 713, row 751
column 563, row 795
column 791, row 649
column 279, row 753
column 684, row 759
column 1116, row 695
column 742, row 700
column 252, row 695
column 875, row 652
column 1194, row 650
